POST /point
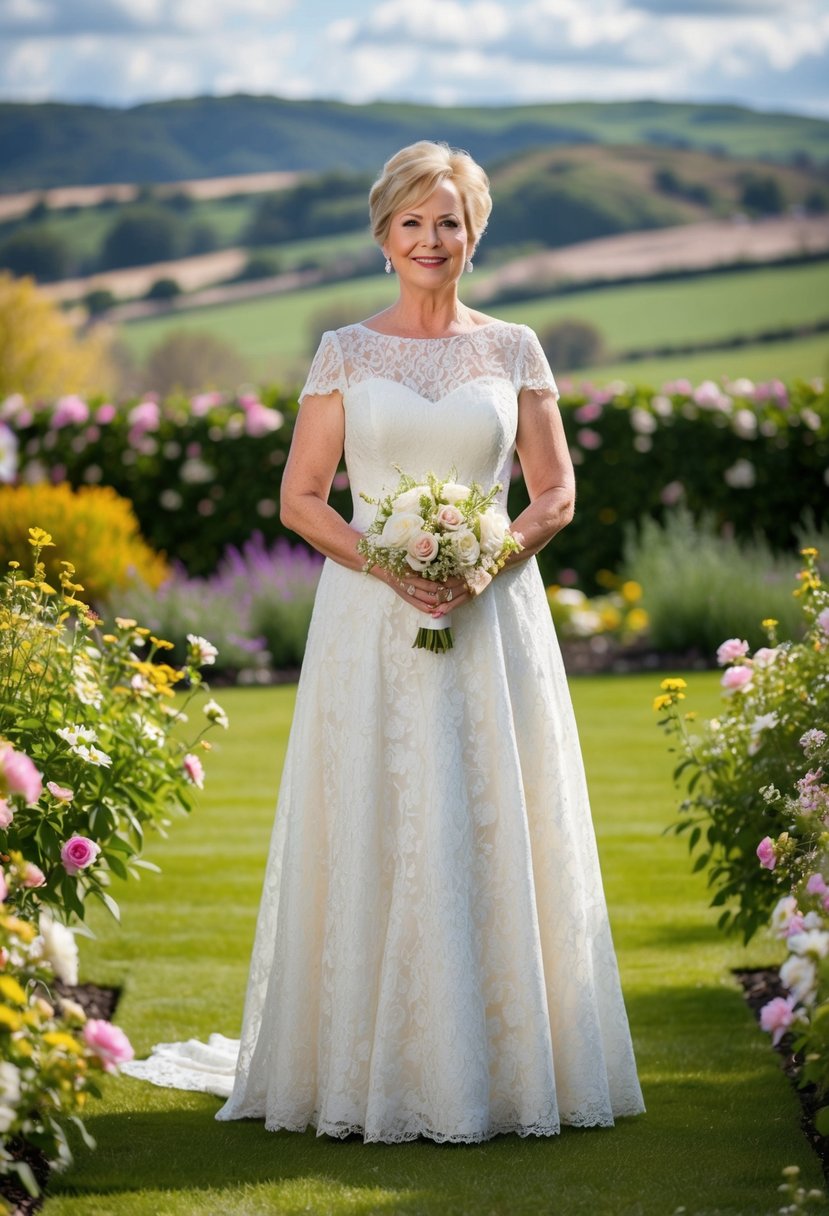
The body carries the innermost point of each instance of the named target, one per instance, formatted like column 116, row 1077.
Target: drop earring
column 388, row 265
column 469, row 266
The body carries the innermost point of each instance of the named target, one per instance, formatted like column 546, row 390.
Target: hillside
column 50, row 144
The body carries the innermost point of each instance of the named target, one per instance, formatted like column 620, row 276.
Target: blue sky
column 767, row 54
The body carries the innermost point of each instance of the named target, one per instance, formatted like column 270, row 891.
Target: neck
column 426, row 314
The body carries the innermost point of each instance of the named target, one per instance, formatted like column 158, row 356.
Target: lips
column 429, row 261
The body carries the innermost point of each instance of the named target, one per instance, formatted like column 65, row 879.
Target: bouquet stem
column 436, row 637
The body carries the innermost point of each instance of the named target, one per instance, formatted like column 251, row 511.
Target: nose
column 431, row 234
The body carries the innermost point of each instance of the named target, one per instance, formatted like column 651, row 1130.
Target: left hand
column 460, row 595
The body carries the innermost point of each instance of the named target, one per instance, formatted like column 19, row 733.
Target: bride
column 432, row 955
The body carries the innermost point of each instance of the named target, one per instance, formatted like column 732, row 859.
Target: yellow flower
column 24, row 1048
column 673, row 684
column 21, row 928
column 110, row 637
column 40, row 539
column 59, row 1038
column 11, row 990
column 637, row 620
column 49, row 590
column 10, row 1019
column 810, row 552
column 769, row 623
column 206, row 745
column 125, row 622
column 662, row 701
column 631, row 591
column 15, row 565
column 161, row 643
column 691, row 715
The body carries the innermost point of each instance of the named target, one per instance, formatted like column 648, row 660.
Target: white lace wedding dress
column 433, row 955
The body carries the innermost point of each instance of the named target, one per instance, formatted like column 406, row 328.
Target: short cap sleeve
column 533, row 370
column 327, row 372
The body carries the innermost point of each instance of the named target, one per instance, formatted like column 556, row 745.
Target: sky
column 765, row 54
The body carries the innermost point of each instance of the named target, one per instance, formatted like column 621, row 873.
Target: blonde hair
column 415, row 171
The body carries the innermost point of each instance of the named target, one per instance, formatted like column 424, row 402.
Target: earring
column 388, row 265
column 469, row 266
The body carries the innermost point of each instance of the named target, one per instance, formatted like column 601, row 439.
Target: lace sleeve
column 327, row 372
column 532, row 369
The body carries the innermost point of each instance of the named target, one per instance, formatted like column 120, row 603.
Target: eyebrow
column 445, row 215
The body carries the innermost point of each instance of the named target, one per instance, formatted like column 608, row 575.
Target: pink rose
column 449, row 517
column 19, row 775
column 421, row 550
column 735, row 678
column 766, row 853
column 78, row 852
column 109, row 1043
column 33, row 876
column 733, row 649
column 6, row 814
column 765, row 655
column 777, row 1016
column 817, row 885
column 61, row 792
column 823, row 620
column 194, row 770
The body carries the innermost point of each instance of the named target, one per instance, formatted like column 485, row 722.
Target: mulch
column 96, row 1002
column 761, row 985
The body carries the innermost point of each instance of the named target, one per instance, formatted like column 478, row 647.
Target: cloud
column 57, row 18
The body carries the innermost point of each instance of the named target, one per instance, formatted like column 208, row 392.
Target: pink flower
column 19, row 776
column 61, row 792
column 68, row 411
column 194, row 770
column 105, row 413
column 6, row 814
column 145, row 416
column 823, row 620
column 109, row 1043
column 733, row 649
column 449, row 517
column 591, row 411
column 777, row 1016
column 817, row 885
column 78, row 852
column 261, row 419
column 735, row 678
column 588, row 438
column 4, row 887
column 33, row 876
column 765, row 655
column 766, row 853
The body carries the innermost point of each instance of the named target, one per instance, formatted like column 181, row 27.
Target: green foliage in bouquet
column 732, row 764
column 91, row 753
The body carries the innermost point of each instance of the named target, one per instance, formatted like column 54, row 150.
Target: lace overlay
column 433, row 955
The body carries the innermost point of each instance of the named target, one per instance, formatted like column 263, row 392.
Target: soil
column 96, row 1002
column 761, row 985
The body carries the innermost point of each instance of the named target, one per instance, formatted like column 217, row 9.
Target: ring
column 410, row 590
column 448, row 594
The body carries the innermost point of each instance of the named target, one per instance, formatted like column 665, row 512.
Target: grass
column 273, row 332
column 721, row 1121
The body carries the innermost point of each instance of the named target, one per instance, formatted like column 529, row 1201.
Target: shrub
column 90, row 750
column 93, row 520
column 191, row 361
column 572, row 343
column 617, row 614
column 35, row 251
column 700, row 586
column 143, row 233
column 163, row 289
column 775, row 698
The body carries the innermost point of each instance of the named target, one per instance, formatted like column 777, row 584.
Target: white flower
column 9, row 1094
column 800, row 977
column 399, row 529
column 763, row 722
column 409, row 500
column 466, row 546
column 449, row 517
column 784, row 910
column 58, row 947
column 642, row 421
column 494, row 526
column 96, row 756
column 214, row 713
column 814, row 941
column 8, row 453
column 74, row 735
column 195, row 472
column 454, row 492
column 202, row 650
column 741, row 475
column 477, row 580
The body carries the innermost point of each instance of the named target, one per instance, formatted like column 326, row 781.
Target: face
column 428, row 242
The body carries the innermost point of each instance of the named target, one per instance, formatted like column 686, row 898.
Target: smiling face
column 428, row 242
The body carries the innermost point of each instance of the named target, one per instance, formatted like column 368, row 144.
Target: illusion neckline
column 445, row 338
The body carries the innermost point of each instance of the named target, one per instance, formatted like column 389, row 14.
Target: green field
column 722, row 1120
column 273, row 332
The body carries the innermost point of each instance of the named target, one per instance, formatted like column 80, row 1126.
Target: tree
column 571, row 343
column 163, row 289
column 762, row 195
column 141, row 235
column 41, row 355
column 98, row 301
column 36, row 251
column 190, row 360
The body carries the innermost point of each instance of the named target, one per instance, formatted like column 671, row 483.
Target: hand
column 425, row 594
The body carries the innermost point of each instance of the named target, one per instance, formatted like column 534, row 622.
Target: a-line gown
column 433, row 955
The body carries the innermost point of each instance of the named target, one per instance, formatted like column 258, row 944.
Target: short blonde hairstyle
column 415, row 171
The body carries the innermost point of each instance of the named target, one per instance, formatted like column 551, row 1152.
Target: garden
column 153, row 617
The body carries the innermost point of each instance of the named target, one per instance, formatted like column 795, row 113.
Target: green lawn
column 721, row 1120
column 274, row 333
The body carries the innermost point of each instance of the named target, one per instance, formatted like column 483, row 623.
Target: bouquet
column 438, row 529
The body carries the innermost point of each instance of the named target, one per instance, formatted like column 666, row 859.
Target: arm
column 548, row 472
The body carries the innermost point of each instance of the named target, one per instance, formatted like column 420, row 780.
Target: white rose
column 409, row 500
column 399, row 529
column 449, row 517
column 422, row 550
column 784, row 910
column 466, row 547
column 799, row 976
column 454, row 492
column 59, row 948
column 493, row 531
column 814, row 941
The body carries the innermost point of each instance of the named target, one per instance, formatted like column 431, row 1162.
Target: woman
column 432, row 955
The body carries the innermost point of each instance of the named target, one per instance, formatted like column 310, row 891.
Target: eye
column 451, row 223
column 407, row 222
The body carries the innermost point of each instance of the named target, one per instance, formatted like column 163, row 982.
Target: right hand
column 426, row 595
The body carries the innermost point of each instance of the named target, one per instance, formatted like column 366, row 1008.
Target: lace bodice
column 428, row 404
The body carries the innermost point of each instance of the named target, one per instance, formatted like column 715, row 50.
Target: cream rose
column 422, row 550
column 453, row 492
column 399, row 529
column 466, row 547
column 494, row 526
column 409, row 500
column 449, row 517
